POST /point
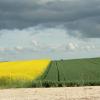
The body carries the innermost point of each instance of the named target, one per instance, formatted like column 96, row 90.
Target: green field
column 76, row 72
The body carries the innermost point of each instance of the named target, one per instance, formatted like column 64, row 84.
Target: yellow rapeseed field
column 23, row 69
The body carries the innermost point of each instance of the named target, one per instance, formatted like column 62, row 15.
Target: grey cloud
column 74, row 15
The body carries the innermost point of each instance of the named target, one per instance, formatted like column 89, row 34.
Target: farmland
column 73, row 72
column 47, row 73
column 21, row 71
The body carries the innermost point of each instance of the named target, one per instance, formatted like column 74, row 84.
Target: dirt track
column 68, row 93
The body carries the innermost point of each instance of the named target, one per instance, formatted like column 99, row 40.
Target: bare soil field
column 66, row 93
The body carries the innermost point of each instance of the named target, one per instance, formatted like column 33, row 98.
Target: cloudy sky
column 56, row 29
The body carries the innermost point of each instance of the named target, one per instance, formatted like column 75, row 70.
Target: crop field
column 74, row 72
column 47, row 73
column 21, row 71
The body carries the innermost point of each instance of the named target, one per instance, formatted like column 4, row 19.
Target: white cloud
column 35, row 43
column 19, row 48
column 49, row 41
column 72, row 46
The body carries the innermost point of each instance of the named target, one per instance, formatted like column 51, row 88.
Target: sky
column 53, row 29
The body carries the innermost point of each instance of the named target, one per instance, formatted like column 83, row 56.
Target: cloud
column 43, row 38
column 35, row 43
column 19, row 48
column 71, row 46
column 74, row 15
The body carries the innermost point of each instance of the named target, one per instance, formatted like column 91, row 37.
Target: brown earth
column 67, row 93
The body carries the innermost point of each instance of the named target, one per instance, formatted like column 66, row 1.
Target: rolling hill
column 47, row 73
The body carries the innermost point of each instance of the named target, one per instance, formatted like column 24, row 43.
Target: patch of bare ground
column 66, row 93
